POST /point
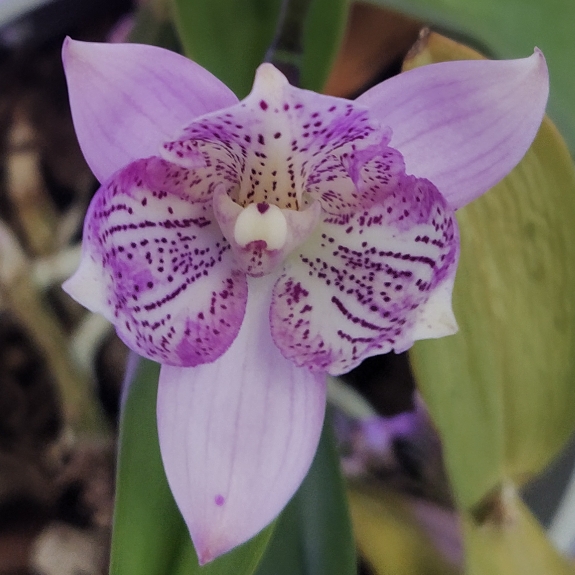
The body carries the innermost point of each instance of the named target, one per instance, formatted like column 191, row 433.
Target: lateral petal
column 349, row 180
column 370, row 283
column 238, row 435
column 127, row 99
column 156, row 265
column 463, row 125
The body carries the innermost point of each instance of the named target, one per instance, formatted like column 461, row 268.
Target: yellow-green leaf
column 393, row 541
column 502, row 391
column 515, row 544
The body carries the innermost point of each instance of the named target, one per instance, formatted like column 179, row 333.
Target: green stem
column 286, row 50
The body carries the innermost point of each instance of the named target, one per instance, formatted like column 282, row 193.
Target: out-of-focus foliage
column 391, row 536
column 230, row 37
column 502, row 391
column 510, row 29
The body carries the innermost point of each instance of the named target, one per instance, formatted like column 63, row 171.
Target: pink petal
column 349, row 180
column 463, row 125
column 127, row 99
column 238, row 436
column 156, row 265
column 370, row 283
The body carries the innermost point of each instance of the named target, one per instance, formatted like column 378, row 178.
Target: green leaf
column 148, row 531
column 514, row 544
column 313, row 535
column 227, row 37
column 154, row 27
column 230, row 37
column 511, row 28
column 502, row 391
column 149, row 535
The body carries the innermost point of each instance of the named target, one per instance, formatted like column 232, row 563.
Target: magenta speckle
column 263, row 207
column 219, row 500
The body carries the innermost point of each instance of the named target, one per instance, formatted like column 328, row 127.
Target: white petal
column 155, row 264
column 361, row 285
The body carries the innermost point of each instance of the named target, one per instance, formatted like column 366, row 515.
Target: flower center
column 262, row 234
column 261, row 222
column 273, row 161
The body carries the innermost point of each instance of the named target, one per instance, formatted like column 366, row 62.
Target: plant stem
column 286, row 50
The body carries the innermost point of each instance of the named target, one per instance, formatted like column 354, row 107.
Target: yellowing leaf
column 502, row 390
column 391, row 539
column 514, row 545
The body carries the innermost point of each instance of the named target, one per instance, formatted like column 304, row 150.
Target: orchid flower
column 253, row 247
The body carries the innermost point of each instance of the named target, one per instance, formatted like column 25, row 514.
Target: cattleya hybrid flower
column 253, row 247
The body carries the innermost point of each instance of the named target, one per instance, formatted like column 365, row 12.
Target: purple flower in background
column 252, row 247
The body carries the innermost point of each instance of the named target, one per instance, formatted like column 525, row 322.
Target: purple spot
column 219, row 500
column 263, row 105
column 263, row 207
